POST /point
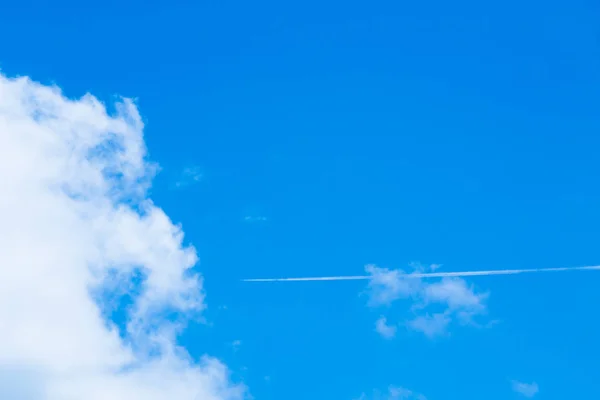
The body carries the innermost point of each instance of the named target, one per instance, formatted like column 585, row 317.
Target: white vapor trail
column 428, row 274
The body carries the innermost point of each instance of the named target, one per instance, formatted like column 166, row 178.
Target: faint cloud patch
column 255, row 218
column 435, row 302
column 525, row 389
column 430, row 325
column 236, row 345
column 189, row 176
column 400, row 393
column 384, row 329
column 393, row 393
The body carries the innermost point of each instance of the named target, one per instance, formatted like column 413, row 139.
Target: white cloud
column 453, row 298
column 387, row 286
column 76, row 226
column 430, row 325
column 525, row 389
column 385, row 330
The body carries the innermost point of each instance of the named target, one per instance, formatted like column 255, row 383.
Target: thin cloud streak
column 429, row 274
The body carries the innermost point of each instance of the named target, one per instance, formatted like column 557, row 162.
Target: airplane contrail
column 428, row 274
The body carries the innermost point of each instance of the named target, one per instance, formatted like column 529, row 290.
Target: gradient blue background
column 464, row 133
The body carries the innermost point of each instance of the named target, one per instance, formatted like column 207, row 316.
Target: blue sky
column 310, row 138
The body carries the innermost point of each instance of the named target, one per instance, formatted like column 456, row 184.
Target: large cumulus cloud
column 76, row 225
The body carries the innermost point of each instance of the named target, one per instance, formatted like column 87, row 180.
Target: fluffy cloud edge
column 78, row 222
column 434, row 303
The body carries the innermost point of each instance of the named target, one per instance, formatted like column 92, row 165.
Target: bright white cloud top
column 76, row 227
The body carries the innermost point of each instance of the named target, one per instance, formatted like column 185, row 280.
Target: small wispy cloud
column 451, row 295
column 255, row 218
column 236, row 344
column 189, row 176
column 430, row 325
column 384, row 329
column 393, row 393
column 525, row 389
column 400, row 393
